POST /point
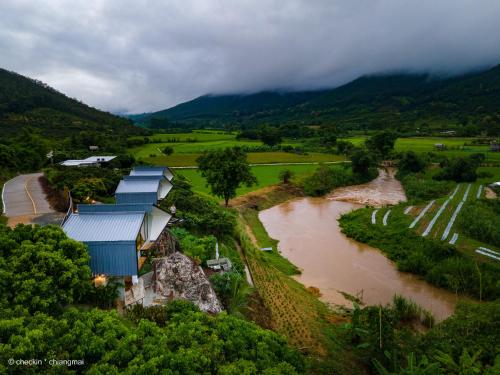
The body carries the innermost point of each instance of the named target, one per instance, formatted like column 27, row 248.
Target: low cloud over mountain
column 135, row 56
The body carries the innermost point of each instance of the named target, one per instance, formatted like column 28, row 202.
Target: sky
column 139, row 56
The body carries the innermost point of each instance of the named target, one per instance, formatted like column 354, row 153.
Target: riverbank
column 353, row 340
column 311, row 238
column 292, row 309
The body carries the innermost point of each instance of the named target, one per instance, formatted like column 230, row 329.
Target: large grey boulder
column 176, row 276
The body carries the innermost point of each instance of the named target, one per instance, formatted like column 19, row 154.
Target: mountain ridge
column 26, row 102
column 366, row 103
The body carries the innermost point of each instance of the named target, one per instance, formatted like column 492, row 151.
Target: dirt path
column 245, row 263
column 271, row 164
column 24, row 202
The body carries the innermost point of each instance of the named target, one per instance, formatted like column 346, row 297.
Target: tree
column 270, row 136
column 382, row 143
column 459, row 170
column 410, row 162
column 168, row 150
column 344, row 147
column 42, row 270
column 226, row 170
column 328, row 136
column 362, row 162
column 286, row 175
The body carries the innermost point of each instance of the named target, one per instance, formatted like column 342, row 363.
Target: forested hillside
column 27, row 102
column 36, row 119
column 403, row 101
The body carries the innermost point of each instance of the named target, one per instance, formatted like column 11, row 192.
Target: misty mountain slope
column 397, row 100
column 26, row 102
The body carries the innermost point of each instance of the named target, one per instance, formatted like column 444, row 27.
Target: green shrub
column 418, row 188
column 198, row 248
column 481, row 220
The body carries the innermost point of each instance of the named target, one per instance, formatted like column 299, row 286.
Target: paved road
column 24, row 201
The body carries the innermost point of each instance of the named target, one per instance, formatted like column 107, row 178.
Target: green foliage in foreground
column 438, row 262
column 465, row 343
column 41, row 270
column 176, row 339
column 481, row 220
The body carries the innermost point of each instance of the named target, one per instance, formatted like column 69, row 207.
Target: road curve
column 24, row 201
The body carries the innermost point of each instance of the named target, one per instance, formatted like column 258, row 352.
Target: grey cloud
column 142, row 55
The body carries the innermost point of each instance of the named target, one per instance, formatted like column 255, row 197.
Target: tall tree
column 410, row 162
column 362, row 162
column 382, row 143
column 270, row 136
column 226, row 170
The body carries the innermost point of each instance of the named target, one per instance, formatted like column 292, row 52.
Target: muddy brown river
column 309, row 236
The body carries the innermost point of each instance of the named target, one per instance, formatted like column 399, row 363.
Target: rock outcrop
column 166, row 244
column 177, row 276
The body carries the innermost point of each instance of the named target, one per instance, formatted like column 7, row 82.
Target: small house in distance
column 449, row 132
column 440, row 146
column 92, row 161
column 153, row 171
column 93, row 148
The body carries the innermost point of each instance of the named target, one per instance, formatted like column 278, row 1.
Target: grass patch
column 266, row 175
column 262, row 239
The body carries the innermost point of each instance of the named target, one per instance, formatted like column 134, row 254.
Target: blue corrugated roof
column 137, row 207
column 92, row 227
column 138, row 186
column 140, row 177
column 148, row 171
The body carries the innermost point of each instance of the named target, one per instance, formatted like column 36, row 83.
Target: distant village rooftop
column 90, row 161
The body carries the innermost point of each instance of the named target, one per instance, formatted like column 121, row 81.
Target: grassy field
column 188, row 146
column 454, row 146
column 266, row 175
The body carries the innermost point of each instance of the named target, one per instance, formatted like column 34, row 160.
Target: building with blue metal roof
column 113, row 240
column 156, row 218
column 152, row 171
column 116, row 234
column 142, row 190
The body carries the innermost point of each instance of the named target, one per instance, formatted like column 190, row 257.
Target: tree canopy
column 382, row 143
column 225, row 171
column 42, row 270
column 270, row 136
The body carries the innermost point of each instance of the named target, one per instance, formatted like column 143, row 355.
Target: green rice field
column 454, row 146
